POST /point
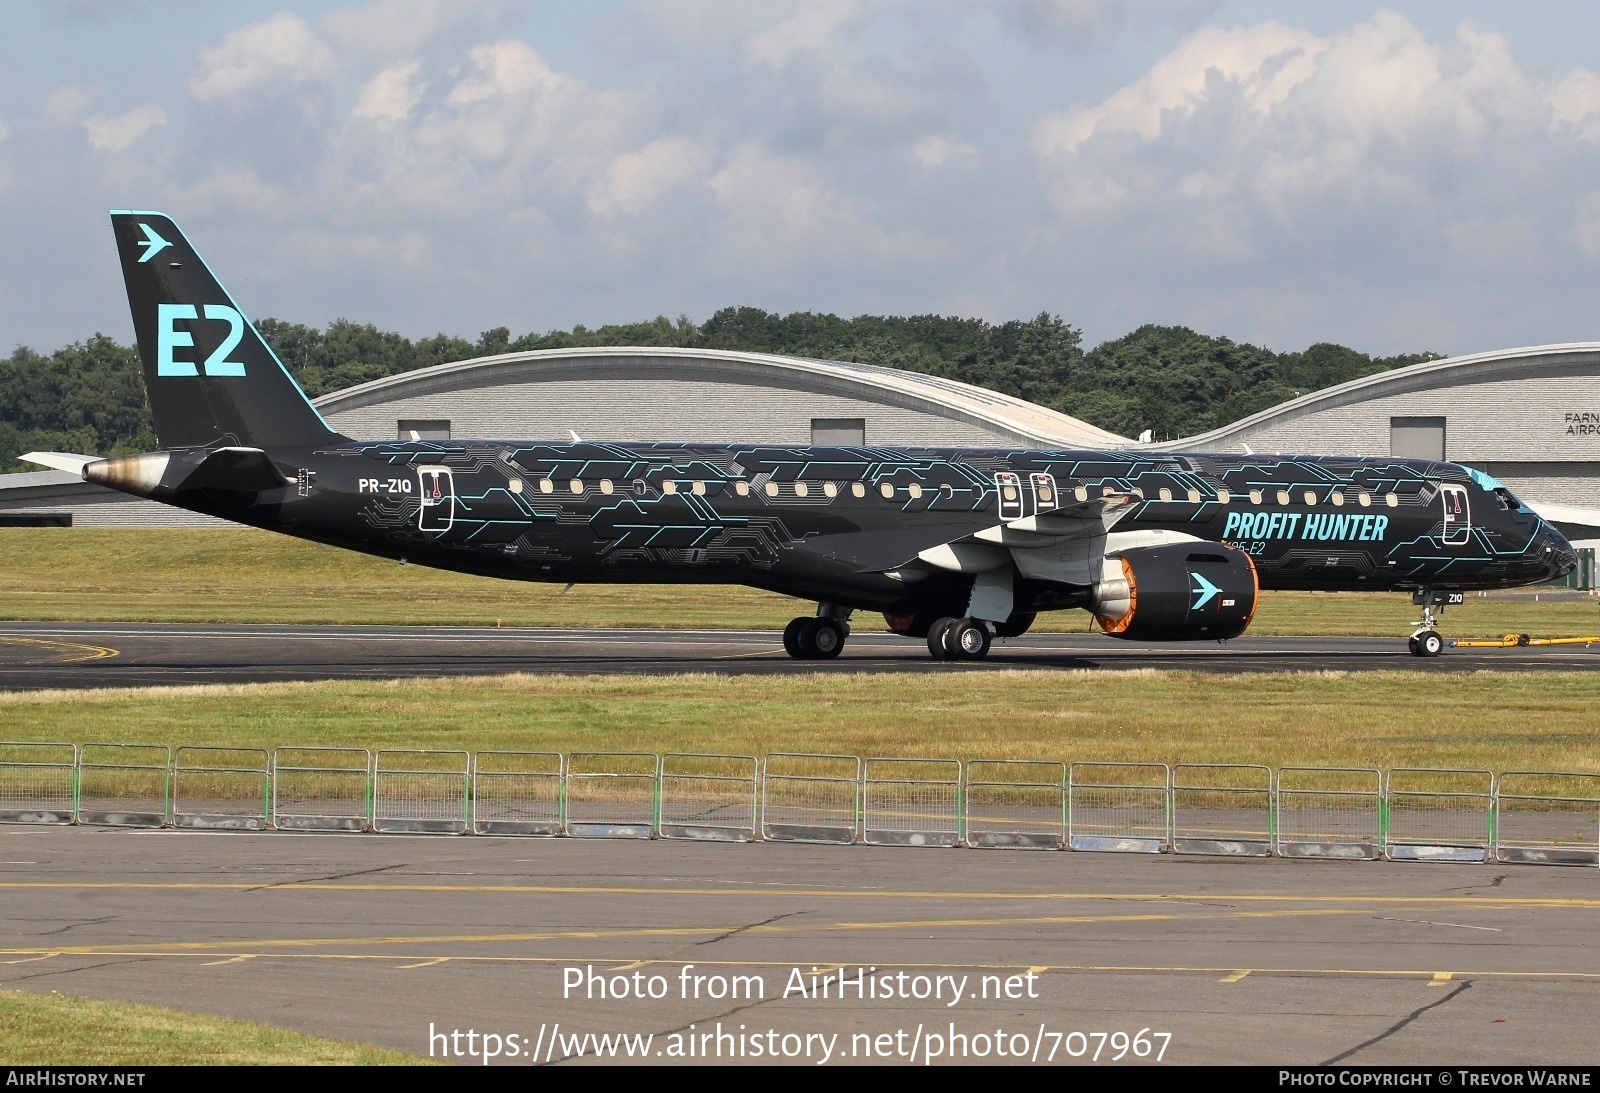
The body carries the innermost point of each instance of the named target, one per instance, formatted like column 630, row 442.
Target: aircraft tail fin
column 212, row 379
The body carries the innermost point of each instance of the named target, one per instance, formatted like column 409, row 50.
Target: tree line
column 89, row 396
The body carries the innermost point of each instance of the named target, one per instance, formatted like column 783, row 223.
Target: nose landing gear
column 1425, row 640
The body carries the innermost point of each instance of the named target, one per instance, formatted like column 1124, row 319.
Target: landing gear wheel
column 936, row 644
column 967, row 639
column 1426, row 643
column 791, row 638
column 822, row 638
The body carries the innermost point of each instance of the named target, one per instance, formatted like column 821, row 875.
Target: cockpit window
column 1506, row 498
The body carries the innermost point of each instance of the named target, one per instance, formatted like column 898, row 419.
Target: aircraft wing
column 1065, row 545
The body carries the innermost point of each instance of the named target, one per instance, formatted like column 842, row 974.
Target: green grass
column 62, row 1030
column 242, row 575
column 1488, row 720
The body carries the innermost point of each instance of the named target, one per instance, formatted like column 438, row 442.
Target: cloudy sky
column 1394, row 177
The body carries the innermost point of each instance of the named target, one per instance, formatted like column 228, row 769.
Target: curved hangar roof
column 1516, row 405
column 665, row 393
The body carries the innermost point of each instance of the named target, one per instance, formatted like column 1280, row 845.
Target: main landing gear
column 1425, row 640
column 818, row 638
column 959, row 639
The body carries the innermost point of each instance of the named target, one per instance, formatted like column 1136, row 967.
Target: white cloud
column 1264, row 63
column 1588, row 226
column 635, row 180
column 1575, row 102
column 67, row 104
column 282, row 49
column 939, row 150
column 811, row 27
column 391, row 28
column 114, row 133
column 504, row 68
column 390, row 94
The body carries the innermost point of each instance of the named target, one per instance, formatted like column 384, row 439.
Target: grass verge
column 1492, row 720
column 63, row 1030
column 243, row 575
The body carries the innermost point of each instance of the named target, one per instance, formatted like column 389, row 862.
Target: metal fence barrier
column 1547, row 817
column 1123, row 807
column 1407, row 813
column 1222, row 808
column 222, row 788
column 1438, row 815
column 1016, row 803
column 123, row 785
column 810, row 798
column 38, row 783
column 419, row 791
column 911, row 802
column 612, row 794
column 1330, row 812
column 517, row 792
column 321, row 789
column 711, row 797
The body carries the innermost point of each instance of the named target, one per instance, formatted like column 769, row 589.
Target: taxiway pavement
column 385, row 939
column 74, row 655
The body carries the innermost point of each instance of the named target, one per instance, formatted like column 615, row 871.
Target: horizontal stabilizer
column 61, row 461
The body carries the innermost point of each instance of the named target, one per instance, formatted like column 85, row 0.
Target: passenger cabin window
column 887, row 489
column 605, row 485
column 1255, row 497
column 801, row 489
column 423, row 429
column 1336, row 497
column 1224, row 496
column 516, row 485
column 830, row 490
column 742, row 489
column 699, row 489
column 1166, row 494
column 1364, row 499
column 858, row 489
column 576, row 485
column 772, row 489
column 1081, row 493
column 1194, row 497
column 1311, row 498
column 1283, row 497
column 546, row 486
column 669, row 487
column 1393, row 500
column 914, row 490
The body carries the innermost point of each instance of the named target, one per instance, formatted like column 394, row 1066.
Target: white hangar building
column 1529, row 417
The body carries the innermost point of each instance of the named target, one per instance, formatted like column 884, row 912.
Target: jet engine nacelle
column 1183, row 592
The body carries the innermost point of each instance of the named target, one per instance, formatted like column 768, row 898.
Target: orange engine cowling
column 1183, row 592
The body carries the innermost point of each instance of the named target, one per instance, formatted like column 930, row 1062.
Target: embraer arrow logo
column 1204, row 589
column 153, row 242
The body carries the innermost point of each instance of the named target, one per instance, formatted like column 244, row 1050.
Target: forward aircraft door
column 438, row 511
column 1457, row 514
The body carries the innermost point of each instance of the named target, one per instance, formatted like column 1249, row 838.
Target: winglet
column 61, row 461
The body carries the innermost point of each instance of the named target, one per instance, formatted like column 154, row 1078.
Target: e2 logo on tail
column 169, row 337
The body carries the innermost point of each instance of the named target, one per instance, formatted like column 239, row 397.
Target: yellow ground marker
column 1441, row 978
column 1235, row 977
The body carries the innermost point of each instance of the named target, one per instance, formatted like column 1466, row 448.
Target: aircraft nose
column 1555, row 553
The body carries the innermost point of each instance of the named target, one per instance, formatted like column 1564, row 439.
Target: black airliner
column 954, row 546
